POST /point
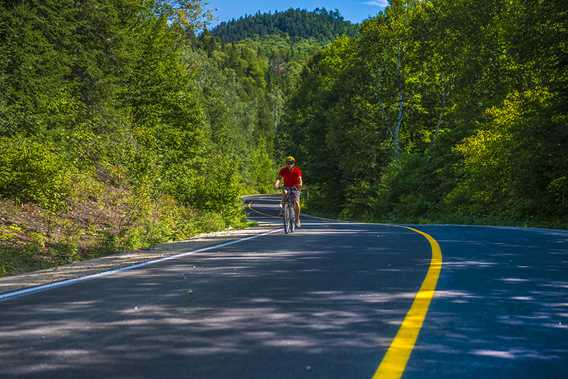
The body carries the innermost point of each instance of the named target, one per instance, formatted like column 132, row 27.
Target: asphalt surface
column 501, row 308
column 324, row 302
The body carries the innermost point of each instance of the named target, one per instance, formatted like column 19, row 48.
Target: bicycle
column 288, row 211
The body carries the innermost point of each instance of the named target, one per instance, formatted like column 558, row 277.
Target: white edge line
column 64, row 283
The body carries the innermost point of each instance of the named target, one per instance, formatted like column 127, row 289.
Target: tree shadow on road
column 501, row 308
column 289, row 307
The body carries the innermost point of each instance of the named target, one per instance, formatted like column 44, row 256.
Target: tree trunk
column 440, row 118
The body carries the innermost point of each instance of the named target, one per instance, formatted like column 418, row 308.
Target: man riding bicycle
column 292, row 176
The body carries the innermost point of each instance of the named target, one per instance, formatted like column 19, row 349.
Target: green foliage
column 121, row 125
column 263, row 168
column 127, row 127
column 36, row 171
column 245, row 85
column 320, row 24
column 510, row 165
column 16, row 261
column 438, row 111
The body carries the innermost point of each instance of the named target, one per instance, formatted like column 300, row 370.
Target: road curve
column 325, row 302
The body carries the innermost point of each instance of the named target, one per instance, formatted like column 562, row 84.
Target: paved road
column 325, row 302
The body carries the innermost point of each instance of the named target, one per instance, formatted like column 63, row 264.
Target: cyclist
column 292, row 176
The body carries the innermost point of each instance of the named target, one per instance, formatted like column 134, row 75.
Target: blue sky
column 353, row 10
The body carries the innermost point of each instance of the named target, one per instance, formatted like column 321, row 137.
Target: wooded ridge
column 320, row 24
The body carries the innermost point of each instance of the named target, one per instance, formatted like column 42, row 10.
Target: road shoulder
column 120, row 260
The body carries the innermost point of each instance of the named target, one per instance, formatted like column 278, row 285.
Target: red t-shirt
column 291, row 177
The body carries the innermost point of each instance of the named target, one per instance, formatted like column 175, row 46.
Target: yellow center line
column 394, row 362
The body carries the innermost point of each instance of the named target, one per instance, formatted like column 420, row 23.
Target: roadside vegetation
column 439, row 111
column 123, row 124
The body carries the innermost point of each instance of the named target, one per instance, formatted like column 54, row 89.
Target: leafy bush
column 34, row 171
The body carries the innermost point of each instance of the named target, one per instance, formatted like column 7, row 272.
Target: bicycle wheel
column 292, row 220
column 286, row 218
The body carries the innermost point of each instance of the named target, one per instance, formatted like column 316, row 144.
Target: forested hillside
column 440, row 111
column 320, row 24
column 121, row 126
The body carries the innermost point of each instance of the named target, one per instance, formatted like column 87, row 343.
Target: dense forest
column 439, row 111
column 123, row 125
column 320, row 24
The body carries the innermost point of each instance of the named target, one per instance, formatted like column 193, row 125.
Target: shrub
column 34, row 171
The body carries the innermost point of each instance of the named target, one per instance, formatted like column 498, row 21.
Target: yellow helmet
column 290, row 159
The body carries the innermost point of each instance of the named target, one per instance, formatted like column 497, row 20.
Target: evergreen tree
column 319, row 24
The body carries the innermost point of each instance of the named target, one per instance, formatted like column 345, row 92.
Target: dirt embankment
column 33, row 238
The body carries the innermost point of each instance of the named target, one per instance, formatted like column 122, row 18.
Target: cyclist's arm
column 300, row 184
column 277, row 182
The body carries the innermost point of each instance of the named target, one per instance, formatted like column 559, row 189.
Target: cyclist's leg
column 297, row 208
